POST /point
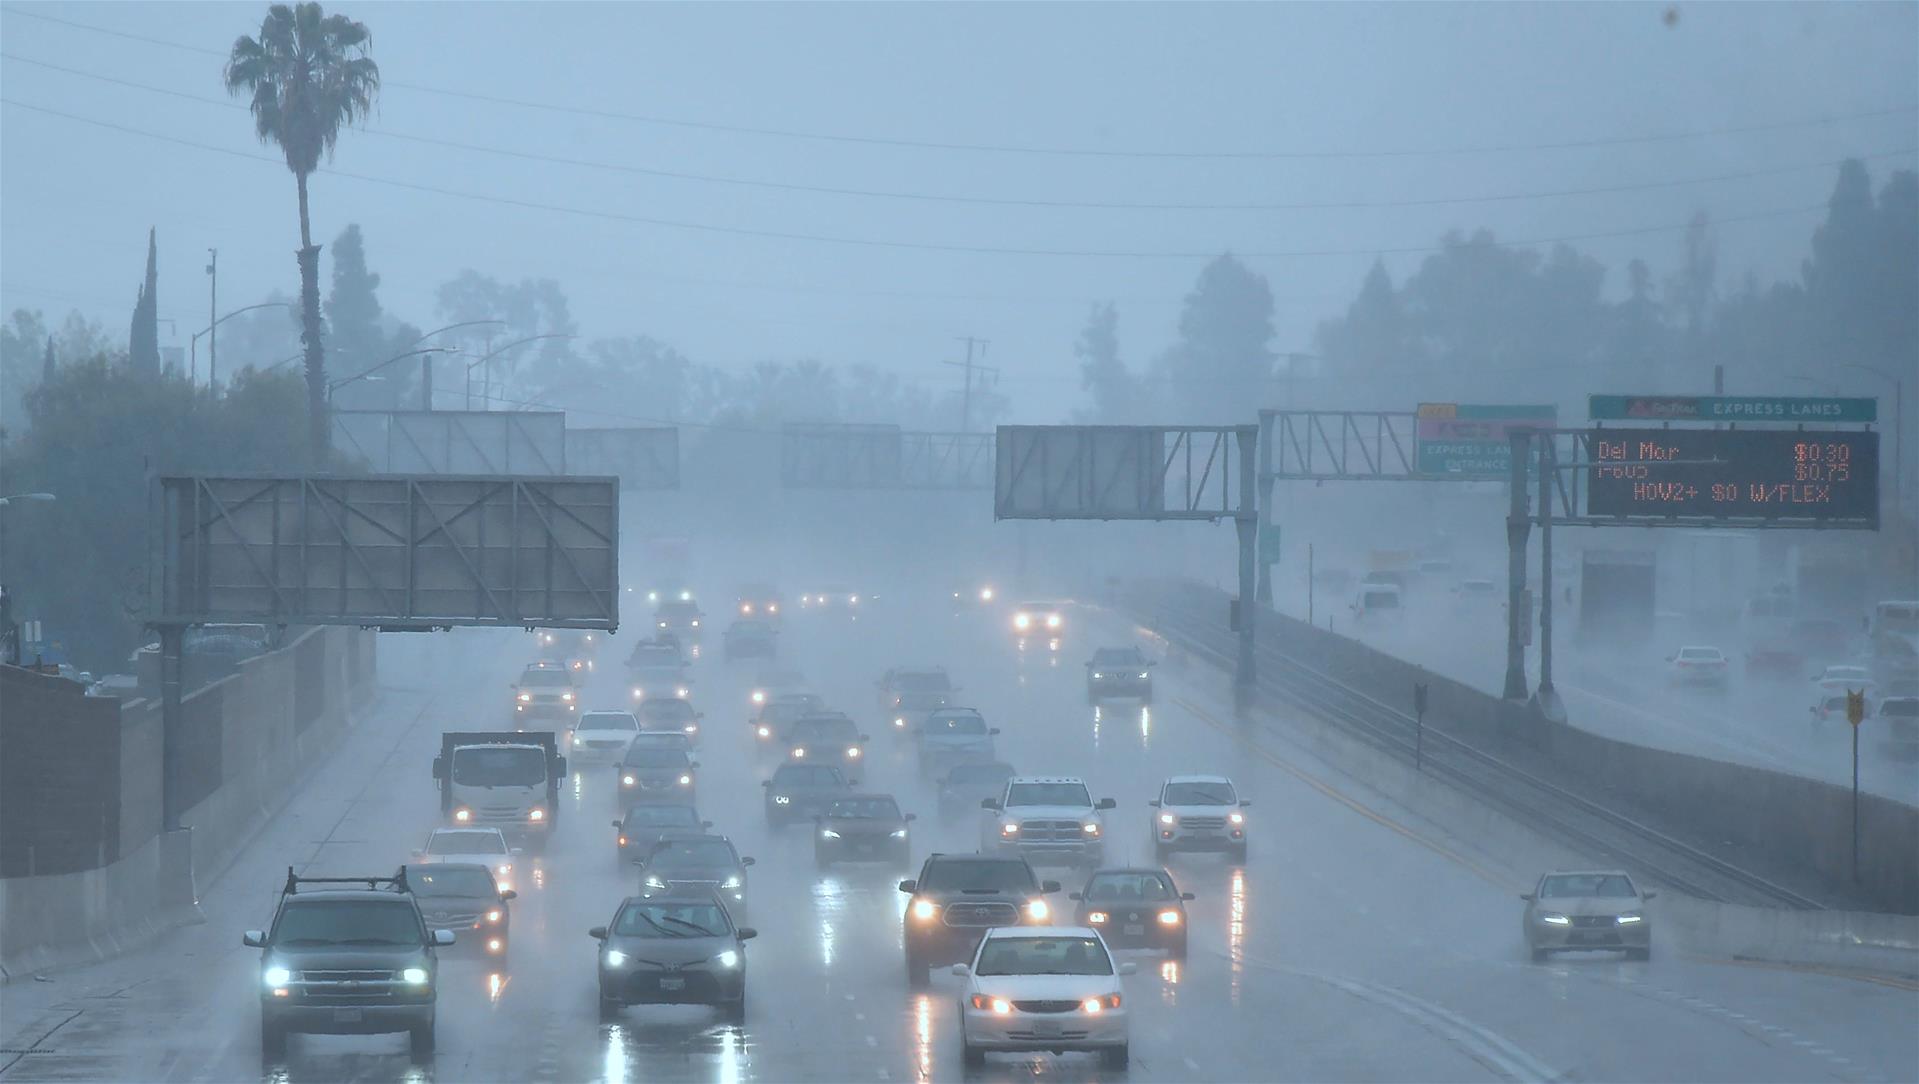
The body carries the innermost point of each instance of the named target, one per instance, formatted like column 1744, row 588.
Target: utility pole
column 966, row 397
column 213, row 319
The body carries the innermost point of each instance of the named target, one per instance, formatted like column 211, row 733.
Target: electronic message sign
column 1829, row 476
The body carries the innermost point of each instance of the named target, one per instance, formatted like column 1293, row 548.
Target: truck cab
column 1047, row 820
column 500, row 780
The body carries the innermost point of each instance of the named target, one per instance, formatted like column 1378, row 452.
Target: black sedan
column 673, row 949
column 1134, row 908
column 863, row 828
column 648, row 823
column 1119, row 673
column 802, row 791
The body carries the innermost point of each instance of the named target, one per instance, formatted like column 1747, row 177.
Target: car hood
column 347, row 957
column 1200, row 810
column 694, row 873
column 865, row 825
column 1045, row 987
column 808, row 790
column 671, row 951
column 587, row 734
column 1592, row 906
column 932, row 738
column 654, row 773
column 1052, row 812
column 432, row 906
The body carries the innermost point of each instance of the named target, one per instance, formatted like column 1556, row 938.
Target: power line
column 874, row 242
column 991, row 201
column 1033, row 149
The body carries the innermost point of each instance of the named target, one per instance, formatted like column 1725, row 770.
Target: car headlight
column 899, row 833
column 924, row 910
column 986, row 594
column 1022, row 621
column 1037, row 910
column 828, row 833
column 462, row 816
column 773, row 607
column 1169, row 918
column 1100, row 1004
column 1630, row 917
column 759, row 696
column 899, row 721
column 627, row 780
column 639, row 694
column 799, row 752
column 686, row 596
column 654, row 882
column 536, row 814
column 1009, row 829
column 1555, row 920
column 568, row 697
column 276, row 976
column 495, row 915
column 614, row 958
column 696, row 622
column 682, row 692
column 414, row 976
column 998, row 1006
column 781, row 799
column 1090, row 828
column 1097, row 675
column 1236, row 818
column 691, row 728
column 686, row 781
column 853, row 751
column 728, row 959
column 766, row 732
column 1142, row 675
column 746, row 608
column 662, row 624
column 1052, row 621
column 525, row 697
column 731, row 882
column 1168, row 818
column 652, row 596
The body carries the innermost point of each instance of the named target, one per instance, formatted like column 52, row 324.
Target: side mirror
column 510, row 894
column 911, row 817
column 989, row 803
column 962, row 970
column 419, row 854
column 254, row 939
column 516, row 850
column 1073, row 896
column 746, row 861
column 706, row 824
column 1129, row 968
column 1647, row 895
column 1244, row 802
column 866, row 737
column 597, row 933
column 1187, row 896
column 766, row 782
column 1049, row 887
column 1527, row 896
column 443, row 937
column 616, row 824
column 1154, row 803
column 992, row 730
column 746, row 933
column 909, row 887
column 1106, row 803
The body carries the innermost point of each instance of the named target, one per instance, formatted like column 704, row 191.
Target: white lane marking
column 1191, row 1064
column 872, row 1042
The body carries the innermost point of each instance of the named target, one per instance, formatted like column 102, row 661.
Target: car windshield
column 785, row 711
column 655, row 655
column 645, row 756
column 1586, row 886
column 348, row 922
column 1144, row 887
column 679, row 611
column 1845, row 672
column 683, row 853
column 982, row 874
column 826, row 730
column 444, row 881
column 919, row 682
column 661, row 816
column 499, row 766
column 671, row 920
column 1699, row 653
column 807, row 775
column 667, row 711
column 1117, row 656
column 1836, row 703
column 545, row 679
column 980, row 773
column 752, row 628
column 955, row 724
column 1073, row 794
column 1201, row 792
column 462, row 842
column 1382, row 600
column 1903, row 708
column 608, row 720
column 1043, row 956
column 865, row 809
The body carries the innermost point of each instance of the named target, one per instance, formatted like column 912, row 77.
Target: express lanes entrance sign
column 1729, row 408
column 1469, row 440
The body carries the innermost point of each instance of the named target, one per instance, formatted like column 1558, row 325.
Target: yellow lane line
column 1350, row 802
column 1894, row 981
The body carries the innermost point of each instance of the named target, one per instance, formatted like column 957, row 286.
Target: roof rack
column 397, row 882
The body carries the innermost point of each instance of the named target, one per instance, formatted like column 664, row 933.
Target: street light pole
column 213, row 320
column 487, row 393
column 194, row 342
column 365, row 373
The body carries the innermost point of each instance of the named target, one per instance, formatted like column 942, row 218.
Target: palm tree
column 308, row 74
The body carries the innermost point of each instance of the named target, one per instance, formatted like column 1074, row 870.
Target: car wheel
column 273, row 1042
column 1239, row 854
column 820, row 859
column 1160, row 851
column 971, row 1056
column 1540, row 955
column 916, row 971
column 420, row 1042
column 609, row 1008
column 1178, row 950
column 1116, row 1057
column 735, row 1010
column 1640, row 954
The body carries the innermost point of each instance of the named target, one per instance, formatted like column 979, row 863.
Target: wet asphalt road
column 1357, row 943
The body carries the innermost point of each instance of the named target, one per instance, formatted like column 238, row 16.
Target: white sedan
column 1043, row 988
column 602, row 735
column 486, row 846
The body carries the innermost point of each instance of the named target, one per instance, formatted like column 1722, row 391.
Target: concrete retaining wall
column 267, row 744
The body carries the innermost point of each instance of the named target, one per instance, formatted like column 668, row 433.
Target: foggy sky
column 76, row 200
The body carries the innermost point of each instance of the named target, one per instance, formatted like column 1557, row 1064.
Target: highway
column 1359, row 942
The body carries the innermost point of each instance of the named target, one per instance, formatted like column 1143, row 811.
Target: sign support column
column 1548, row 697
column 1518, row 523
column 1246, row 521
column 1265, row 591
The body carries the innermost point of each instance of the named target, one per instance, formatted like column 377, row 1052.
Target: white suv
column 1043, row 988
column 1047, row 820
column 1199, row 813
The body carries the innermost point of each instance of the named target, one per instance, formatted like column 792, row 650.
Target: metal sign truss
column 394, row 552
column 840, row 456
column 1147, row 472
column 1342, row 445
column 469, row 442
column 946, row 460
column 642, row 458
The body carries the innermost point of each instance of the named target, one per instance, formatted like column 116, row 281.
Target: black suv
column 347, row 956
column 958, row 897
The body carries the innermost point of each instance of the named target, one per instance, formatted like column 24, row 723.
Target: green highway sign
column 1729, row 408
column 1468, row 440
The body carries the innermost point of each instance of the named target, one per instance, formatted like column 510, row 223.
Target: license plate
column 1045, row 1027
column 1138, row 930
column 1587, row 938
column 672, row 984
column 865, row 848
column 348, row 1016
